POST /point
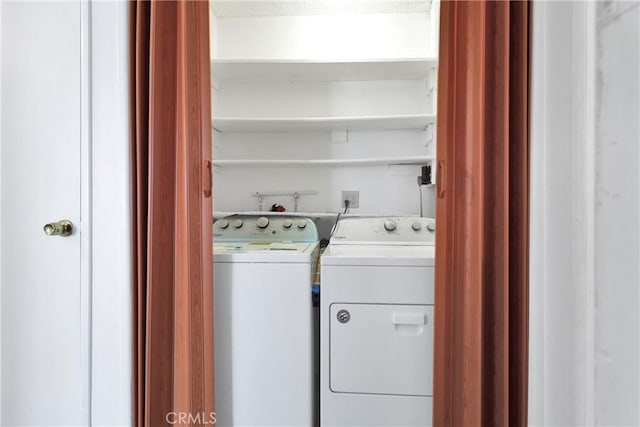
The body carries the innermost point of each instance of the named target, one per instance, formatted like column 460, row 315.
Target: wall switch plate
column 352, row 196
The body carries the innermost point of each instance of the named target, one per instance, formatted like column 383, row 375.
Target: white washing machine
column 263, row 269
column 376, row 323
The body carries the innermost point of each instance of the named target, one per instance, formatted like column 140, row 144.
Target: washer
column 376, row 323
column 263, row 267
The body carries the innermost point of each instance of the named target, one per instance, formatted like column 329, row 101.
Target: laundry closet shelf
column 406, row 160
column 310, row 124
column 322, row 70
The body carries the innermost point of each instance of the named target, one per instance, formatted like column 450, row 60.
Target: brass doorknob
column 62, row 228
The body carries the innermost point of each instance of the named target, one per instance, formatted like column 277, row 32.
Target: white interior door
column 45, row 348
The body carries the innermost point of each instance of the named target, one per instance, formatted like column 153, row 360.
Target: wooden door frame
column 562, row 295
column 111, row 319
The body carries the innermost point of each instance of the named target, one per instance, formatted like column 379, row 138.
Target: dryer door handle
column 416, row 319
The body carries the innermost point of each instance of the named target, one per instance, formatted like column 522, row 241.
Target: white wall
column 347, row 36
column 322, row 99
column 585, row 219
column 617, row 228
column 0, row 212
column 383, row 189
column 213, row 30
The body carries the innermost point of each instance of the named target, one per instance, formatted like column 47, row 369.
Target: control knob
column 262, row 222
column 223, row 223
column 287, row 223
column 301, row 223
column 389, row 225
column 237, row 223
column 416, row 226
column 431, row 227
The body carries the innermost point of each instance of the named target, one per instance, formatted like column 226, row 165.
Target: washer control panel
column 398, row 230
column 265, row 228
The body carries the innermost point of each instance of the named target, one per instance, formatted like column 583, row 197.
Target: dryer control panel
column 389, row 230
column 265, row 228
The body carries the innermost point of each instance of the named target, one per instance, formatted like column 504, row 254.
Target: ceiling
column 265, row 8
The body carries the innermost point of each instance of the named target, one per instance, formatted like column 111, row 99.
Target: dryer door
column 381, row 349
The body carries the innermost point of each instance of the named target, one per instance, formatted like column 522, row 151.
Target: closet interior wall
column 323, row 88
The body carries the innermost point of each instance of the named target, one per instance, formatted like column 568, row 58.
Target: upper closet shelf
column 310, row 124
column 287, row 70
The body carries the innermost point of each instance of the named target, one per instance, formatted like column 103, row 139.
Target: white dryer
column 263, row 269
column 376, row 323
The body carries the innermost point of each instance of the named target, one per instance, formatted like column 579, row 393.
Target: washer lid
column 379, row 255
column 263, row 251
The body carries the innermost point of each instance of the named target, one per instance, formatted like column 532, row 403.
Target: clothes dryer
column 376, row 323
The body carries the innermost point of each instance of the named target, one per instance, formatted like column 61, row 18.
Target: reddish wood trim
column 160, row 307
column 520, row 54
column 182, row 380
column 480, row 360
column 444, row 376
column 139, row 20
column 207, row 206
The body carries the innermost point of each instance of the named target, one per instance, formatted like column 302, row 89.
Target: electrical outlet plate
column 352, row 196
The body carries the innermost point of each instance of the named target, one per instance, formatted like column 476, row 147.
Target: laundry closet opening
column 324, row 133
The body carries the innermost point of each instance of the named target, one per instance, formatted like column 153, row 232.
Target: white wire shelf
column 406, row 160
